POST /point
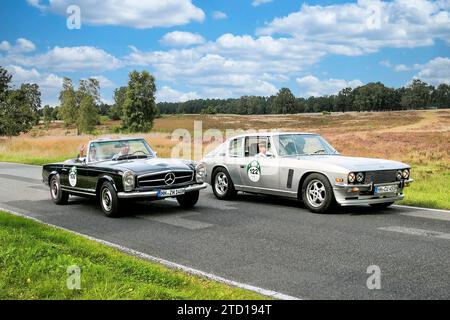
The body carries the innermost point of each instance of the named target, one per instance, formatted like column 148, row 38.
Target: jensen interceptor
column 305, row 167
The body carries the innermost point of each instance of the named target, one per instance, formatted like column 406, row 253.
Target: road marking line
column 169, row 264
column 417, row 232
column 420, row 208
column 428, row 215
column 178, row 220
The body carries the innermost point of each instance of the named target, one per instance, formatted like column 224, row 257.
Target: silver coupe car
column 306, row 167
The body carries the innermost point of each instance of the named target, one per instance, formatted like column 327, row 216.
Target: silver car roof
column 269, row 134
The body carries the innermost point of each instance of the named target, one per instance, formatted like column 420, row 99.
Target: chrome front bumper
column 154, row 194
column 347, row 195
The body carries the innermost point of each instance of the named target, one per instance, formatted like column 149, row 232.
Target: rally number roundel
column 254, row 171
column 73, row 176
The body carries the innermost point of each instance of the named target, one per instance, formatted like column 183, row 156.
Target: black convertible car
column 114, row 170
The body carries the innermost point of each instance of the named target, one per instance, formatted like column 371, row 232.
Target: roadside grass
column 431, row 188
column 34, row 259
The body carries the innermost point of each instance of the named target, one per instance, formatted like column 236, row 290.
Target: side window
column 236, row 148
column 257, row 146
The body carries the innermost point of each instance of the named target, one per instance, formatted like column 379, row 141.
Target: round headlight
column 360, row 177
column 128, row 181
column 200, row 173
column 351, row 177
column 405, row 174
column 399, row 175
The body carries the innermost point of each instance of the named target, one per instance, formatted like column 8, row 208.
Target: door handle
column 242, row 166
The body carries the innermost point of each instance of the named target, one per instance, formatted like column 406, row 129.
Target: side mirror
column 270, row 154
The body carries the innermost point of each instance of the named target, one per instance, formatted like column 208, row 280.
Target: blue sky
column 227, row 48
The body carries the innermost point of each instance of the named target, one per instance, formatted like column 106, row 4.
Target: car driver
column 262, row 146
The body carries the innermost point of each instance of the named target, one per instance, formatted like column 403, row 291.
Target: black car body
column 113, row 178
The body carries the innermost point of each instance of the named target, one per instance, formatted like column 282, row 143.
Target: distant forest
column 370, row 97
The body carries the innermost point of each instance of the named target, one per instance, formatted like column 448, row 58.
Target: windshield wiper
column 323, row 152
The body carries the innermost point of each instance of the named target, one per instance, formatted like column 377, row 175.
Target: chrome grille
column 384, row 176
column 158, row 179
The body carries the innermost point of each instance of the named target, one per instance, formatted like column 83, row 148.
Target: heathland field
column 420, row 138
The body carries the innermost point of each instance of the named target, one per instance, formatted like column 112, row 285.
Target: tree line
column 369, row 97
column 20, row 109
column 135, row 106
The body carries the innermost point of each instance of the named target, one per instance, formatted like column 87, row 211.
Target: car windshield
column 302, row 144
column 119, row 150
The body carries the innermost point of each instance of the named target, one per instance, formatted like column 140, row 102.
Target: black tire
column 222, row 185
column 59, row 196
column 109, row 202
column 381, row 205
column 188, row 200
column 317, row 193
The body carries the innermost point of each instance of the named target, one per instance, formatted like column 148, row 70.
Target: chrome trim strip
column 79, row 192
column 131, row 195
column 266, row 189
column 78, row 189
column 162, row 172
column 358, row 202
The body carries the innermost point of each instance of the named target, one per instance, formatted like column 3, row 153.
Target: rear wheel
column 109, row 200
column 381, row 205
column 188, row 200
column 222, row 185
column 59, row 196
column 317, row 193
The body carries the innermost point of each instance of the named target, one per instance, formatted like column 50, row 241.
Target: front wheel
column 317, row 193
column 109, row 200
column 188, row 200
column 59, row 196
column 222, row 185
column 381, row 205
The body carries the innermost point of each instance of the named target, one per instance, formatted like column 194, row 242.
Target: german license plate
column 386, row 189
column 171, row 193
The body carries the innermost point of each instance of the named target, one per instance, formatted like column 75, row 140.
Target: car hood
column 357, row 163
column 143, row 166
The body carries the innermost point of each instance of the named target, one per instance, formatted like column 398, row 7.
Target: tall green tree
column 33, row 99
column 441, row 96
column 68, row 110
column 417, row 95
column 139, row 109
column 47, row 113
column 16, row 114
column 88, row 115
column 116, row 110
column 284, row 102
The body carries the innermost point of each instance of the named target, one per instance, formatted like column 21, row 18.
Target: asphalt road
column 266, row 242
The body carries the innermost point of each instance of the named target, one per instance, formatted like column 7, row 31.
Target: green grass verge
column 431, row 188
column 39, row 161
column 34, row 259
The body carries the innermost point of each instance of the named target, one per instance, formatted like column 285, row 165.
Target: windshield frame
column 322, row 140
column 152, row 154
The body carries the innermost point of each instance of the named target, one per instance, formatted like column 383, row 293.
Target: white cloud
column 231, row 65
column 167, row 94
column 219, row 15
column 435, row 71
column 312, row 86
column 49, row 83
column 67, row 59
column 256, row 3
column 104, row 82
column 367, row 26
column 130, row 13
column 181, row 39
column 22, row 46
column 401, row 68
